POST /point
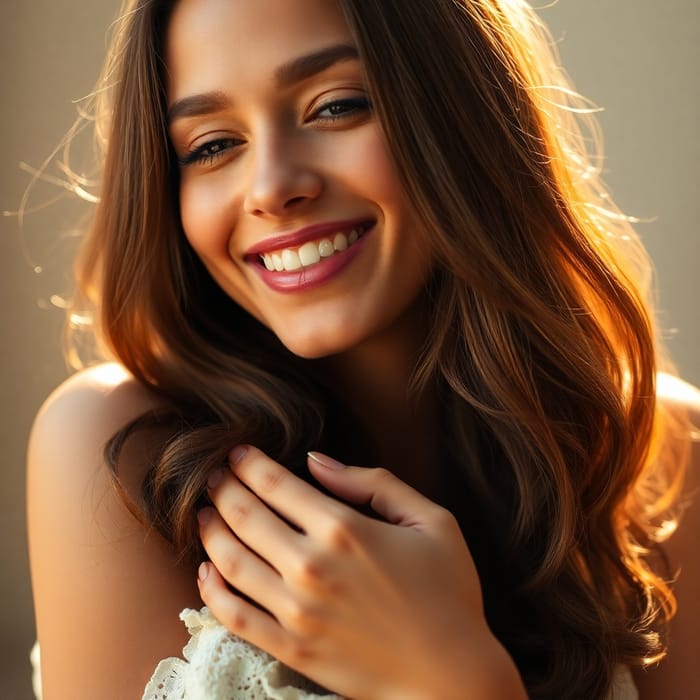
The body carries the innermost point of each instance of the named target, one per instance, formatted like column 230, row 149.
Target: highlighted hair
column 541, row 339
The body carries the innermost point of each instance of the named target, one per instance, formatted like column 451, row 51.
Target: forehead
column 210, row 43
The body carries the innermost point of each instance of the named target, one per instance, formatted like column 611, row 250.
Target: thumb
column 386, row 494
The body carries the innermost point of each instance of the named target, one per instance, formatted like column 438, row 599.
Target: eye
column 342, row 109
column 208, row 152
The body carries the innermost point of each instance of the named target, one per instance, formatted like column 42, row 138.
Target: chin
column 315, row 345
column 313, row 350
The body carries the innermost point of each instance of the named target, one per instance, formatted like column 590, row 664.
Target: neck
column 372, row 382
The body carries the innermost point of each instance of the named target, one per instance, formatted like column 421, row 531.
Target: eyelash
column 352, row 106
column 203, row 155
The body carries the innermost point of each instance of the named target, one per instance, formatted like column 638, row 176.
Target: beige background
column 637, row 58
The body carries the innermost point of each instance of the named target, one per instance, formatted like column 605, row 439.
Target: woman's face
column 288, row 193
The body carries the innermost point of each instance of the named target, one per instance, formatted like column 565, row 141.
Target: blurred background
column 639, row 59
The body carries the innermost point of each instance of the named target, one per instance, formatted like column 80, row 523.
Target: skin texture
column 93, row 563
column 283, row 162
column 274, row 162
column 107, row 594
column 341, row 585
column 375, row 591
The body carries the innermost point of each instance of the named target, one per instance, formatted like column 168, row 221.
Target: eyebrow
column 196, row 105
column 304, row 67
column 294, row 71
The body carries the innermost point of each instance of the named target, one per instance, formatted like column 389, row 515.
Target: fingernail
column 204, row 515
column 237, row 454
column 215, row 478
column 203, row 571
column 325, row 460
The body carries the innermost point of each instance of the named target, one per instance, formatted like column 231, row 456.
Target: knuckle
column 311, row 570
column 236, row 514
column 302, row 619
column 235, row 620
column 342, row 533
column 299, row 652
column 441, row 518
column 380, row 475
column 230, row 567
column 271, row 479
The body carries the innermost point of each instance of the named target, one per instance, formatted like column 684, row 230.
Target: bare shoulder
column 679, row 673
column 673, row 391
column 107, row 591
column 91, row 405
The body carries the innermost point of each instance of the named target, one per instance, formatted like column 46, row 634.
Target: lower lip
column 305, row 278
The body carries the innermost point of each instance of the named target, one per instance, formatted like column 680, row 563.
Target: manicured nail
column 203, row 571
column 204, row 515
column 215, row 478
column 325, row 460
column 237, row 454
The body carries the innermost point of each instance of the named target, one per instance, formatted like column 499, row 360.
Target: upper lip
column 302, row 235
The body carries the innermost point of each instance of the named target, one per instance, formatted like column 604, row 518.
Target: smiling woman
column 365, row 229
column 282, row 159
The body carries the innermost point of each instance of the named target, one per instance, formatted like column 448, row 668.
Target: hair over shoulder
column 542, row 340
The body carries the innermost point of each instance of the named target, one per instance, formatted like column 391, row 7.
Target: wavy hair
column 541, row 337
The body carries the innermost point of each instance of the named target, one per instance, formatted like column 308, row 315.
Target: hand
column 367, row 608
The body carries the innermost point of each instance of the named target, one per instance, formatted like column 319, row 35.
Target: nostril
column 294, row 200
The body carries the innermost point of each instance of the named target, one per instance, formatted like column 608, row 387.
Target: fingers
column 294, row 499
column 237, row 564
column 240, row 617
column 252, row 522
column 388, row 496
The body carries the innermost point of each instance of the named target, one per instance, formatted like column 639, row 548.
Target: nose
column 282, row 178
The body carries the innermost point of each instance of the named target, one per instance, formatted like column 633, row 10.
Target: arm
column 677, row 675
column 107, row 594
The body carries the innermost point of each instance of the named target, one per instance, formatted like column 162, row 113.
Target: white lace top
column 219, row 666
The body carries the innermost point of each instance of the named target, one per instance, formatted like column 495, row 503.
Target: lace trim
column 623, row 687
column 220, row 666
column 35, row 660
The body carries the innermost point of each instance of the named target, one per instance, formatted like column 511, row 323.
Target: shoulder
column 680, row 672
column 674, row 392
column 102, row 398
column 77, row 420
column 107, row 590
column 682, row 400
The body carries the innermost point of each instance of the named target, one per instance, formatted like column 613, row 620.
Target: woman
column 369, row 230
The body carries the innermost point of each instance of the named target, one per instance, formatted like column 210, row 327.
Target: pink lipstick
column 310, row 256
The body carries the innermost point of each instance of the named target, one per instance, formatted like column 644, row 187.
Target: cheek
column 205, row 217
column 375, row 170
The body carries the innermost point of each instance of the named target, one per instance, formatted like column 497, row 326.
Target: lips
column 310, row 233
column 311, row 252
column 310, row 256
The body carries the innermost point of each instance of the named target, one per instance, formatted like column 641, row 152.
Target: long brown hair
column 542, row 341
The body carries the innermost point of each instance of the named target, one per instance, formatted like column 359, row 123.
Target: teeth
column 310, row 253
column 340, row 242
column 290, row 260
column 325, row 248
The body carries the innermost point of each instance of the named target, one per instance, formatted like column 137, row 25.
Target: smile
column 311, row 252
column 311, row 257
